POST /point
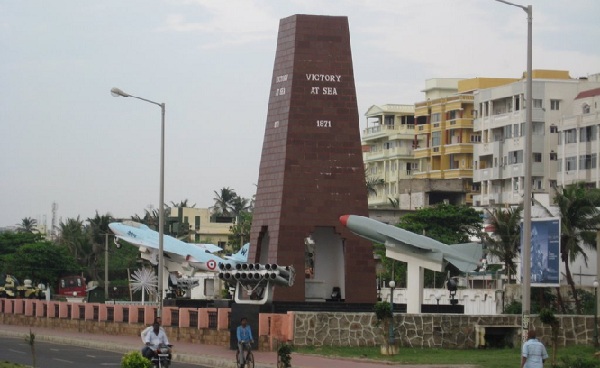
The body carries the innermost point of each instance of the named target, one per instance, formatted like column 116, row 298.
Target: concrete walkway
column 208, row 355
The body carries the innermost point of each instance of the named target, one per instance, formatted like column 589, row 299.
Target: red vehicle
column 71, row 286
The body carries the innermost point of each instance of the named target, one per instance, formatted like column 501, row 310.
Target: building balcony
column 458, row 148
column 394, row 131
column 490, row 173
column 422, row 152
column 488, row 148
column 458, row 173
column 465, row 123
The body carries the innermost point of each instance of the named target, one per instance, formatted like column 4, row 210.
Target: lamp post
column 527, row 162
column 392, row 338
column 161, row 215
column 596, row 313
column 438, row 296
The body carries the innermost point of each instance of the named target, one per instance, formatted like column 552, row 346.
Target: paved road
column 51, row 355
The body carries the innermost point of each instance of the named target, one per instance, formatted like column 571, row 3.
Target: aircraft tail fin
column 466, row 256
column 242, row 255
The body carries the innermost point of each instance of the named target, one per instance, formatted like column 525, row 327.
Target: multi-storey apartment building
column 500, row 120
column 579, row 142
column 388, row 143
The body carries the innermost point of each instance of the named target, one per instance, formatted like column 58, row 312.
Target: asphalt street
column 49, row 355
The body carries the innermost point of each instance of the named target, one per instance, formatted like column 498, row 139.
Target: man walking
column 534, row 352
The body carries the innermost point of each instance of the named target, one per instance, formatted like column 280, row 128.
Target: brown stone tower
column 311, row 170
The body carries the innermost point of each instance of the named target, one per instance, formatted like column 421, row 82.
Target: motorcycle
column 162, row 358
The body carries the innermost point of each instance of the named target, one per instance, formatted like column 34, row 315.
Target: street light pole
column 392, row 338
column 596, row 313
column 527, row 180
column 161, row 215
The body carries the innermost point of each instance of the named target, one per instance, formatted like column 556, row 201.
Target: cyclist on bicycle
column 244, row 338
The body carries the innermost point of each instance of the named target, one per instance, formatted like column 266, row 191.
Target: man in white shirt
column 153, row 340
column 149, row 328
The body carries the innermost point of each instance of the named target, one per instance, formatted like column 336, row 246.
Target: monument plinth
column 311, row 169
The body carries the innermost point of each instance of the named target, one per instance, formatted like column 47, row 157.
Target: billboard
column 545, row 251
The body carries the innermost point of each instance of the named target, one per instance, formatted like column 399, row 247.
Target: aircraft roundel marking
column 211, row 264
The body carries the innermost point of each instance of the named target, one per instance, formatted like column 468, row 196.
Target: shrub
column 135, row 359
column 285, row 354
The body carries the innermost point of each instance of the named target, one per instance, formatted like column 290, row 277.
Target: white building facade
column 499, row 163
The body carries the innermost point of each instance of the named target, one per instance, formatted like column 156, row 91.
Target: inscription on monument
column 319, row 90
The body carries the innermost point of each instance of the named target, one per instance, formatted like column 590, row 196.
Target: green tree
column 373, row 184
column 11, row 241
column 97, row 232
column 240, row 231
column 28, row 225
column 446, row 223
column 579, row 221
column 505, row 241
column 223, row 201
column 183, row 204
column 41, row 262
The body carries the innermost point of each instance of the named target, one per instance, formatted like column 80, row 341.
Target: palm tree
column 182, row 204
column 372, row 184
column 97, row 234
column 506, row 238
column 223, row 201
column 579, row 222
column 72, row 235
column 239, row 205
column 28, row 225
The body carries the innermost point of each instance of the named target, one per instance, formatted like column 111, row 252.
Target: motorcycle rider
column 154, row 339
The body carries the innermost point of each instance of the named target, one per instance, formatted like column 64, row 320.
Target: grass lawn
column 11, row 365
column 489, row 358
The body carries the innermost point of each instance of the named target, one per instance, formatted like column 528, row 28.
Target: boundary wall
column 211, row 325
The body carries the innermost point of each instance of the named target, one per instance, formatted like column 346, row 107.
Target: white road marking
column 63, row 360
column 17, row 351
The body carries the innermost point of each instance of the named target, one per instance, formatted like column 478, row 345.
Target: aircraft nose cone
column 344, row 219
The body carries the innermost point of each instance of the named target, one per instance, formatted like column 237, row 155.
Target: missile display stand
column 254, row 282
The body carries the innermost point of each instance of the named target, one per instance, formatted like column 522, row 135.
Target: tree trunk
column 573, row 289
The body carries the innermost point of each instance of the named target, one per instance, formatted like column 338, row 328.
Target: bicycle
column 248, row 360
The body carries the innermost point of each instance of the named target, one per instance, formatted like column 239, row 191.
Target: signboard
column 545, row 251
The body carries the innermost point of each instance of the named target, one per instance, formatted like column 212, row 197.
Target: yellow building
column 204, row 228
column 444, row 122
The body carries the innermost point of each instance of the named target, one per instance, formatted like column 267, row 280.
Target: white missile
column 465, row 257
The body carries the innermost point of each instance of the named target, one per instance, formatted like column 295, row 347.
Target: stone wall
column 432, row 330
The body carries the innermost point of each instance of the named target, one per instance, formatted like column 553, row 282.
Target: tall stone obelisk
column 311, row 169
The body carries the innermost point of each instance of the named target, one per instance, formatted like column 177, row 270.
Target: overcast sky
column 65, row 139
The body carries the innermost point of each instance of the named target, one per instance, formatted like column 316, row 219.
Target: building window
column 552, row 184
column 537, row 103
column 516, row 157
column 475, row 138
column 554, row 104
column 436, row 118
column 197, row 222
column 507, row 130
column 516, row 130
column 436, row 139
column 571, row 136
column 553, row 129
column 559, row 161
column 571, row 163
column 587, row 134
column 587, row 162
column 537, row 157
column 553, row 156
column 585, row 108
